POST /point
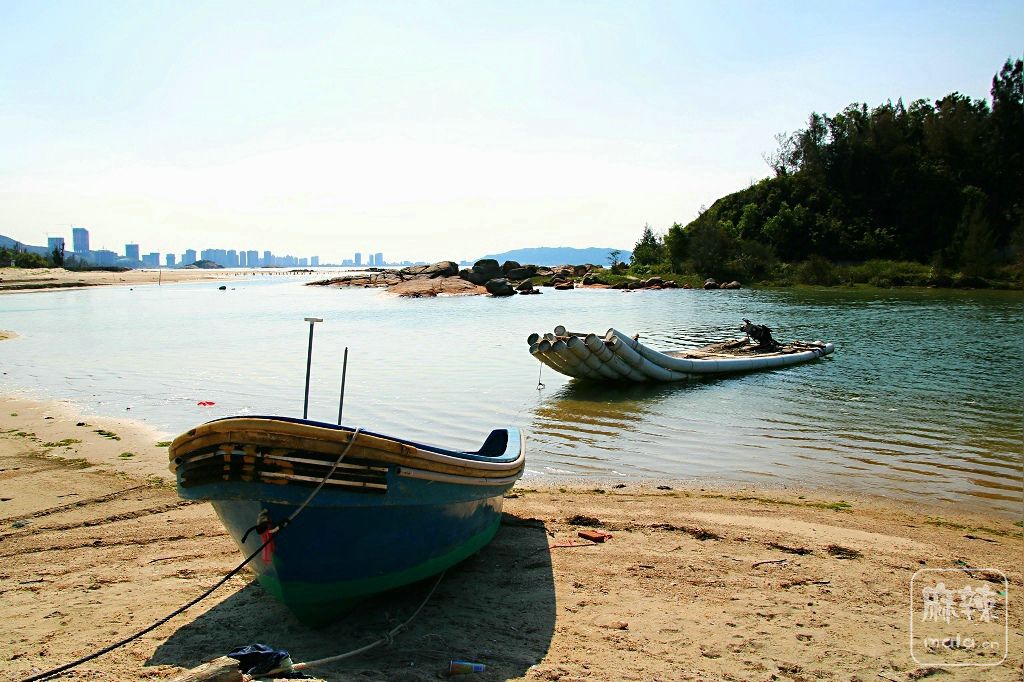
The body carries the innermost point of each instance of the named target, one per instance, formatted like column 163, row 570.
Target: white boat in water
column 619, row 357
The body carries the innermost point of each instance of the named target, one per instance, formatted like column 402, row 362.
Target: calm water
column 923, row 398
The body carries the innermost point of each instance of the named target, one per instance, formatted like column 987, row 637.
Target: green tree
column 677, row 246
column 24, row 259
column 650, row 250
column 613, row 257
column 976, row 241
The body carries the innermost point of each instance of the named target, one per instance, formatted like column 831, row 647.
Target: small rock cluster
column 509, row 278
column 712, row 284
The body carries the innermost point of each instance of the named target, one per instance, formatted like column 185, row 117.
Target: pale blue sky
column 431, row 130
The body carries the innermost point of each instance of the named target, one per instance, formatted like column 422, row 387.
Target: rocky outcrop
column 509, row 265
column 526, row 288
column 731, row 285
column 445, row 268
column 521, row 273
column 710, row 284
column 483, row 271
column 499, row 286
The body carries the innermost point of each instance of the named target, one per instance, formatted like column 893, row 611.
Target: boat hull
column 371, row 513
column 338, row 551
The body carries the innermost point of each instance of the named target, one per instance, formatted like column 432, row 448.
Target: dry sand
column 96, row 546
column 44, row 279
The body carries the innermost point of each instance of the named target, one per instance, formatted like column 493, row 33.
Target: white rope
column 386, row 639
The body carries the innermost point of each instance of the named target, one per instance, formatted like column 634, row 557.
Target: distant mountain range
column 8, row 243
column 559, row 255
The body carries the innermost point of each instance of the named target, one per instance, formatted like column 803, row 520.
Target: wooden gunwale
column 238, row 467
column 313, row 439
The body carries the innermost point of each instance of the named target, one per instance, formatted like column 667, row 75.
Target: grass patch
column 163, row 443
column 943, row 523
column 107, row 434
column 841, row 505
column 14, row 414
column 66, row 443
column 76, row 463
column 126, row 455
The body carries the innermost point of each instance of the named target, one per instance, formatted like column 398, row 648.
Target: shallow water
column 923, row 399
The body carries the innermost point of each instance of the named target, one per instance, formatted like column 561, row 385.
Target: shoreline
column 28, row 280
column 102, row 441
column 697, row 583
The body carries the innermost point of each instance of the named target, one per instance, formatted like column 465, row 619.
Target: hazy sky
column 437, row 129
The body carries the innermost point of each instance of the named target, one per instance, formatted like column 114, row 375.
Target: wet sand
column 48, row 279
column 695, row 584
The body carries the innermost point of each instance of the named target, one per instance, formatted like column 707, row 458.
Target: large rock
column 521, row 273
column 710, row 284
column 525, row 285
column 499, row 287
column 509, row 265
column 484, row 270
column 444, row 268
column 563, row 286
column 731, row 285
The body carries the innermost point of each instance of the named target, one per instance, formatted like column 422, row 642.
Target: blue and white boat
column 390, row 513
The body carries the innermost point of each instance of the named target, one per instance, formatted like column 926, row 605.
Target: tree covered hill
column 933, row 182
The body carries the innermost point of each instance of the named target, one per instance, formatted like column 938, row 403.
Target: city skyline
column 132, row 255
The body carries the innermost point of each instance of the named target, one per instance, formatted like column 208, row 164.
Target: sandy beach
column 695, row 583
column 45, row 279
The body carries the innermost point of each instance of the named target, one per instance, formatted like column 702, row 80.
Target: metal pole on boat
column 344, row 371
column 309, row 362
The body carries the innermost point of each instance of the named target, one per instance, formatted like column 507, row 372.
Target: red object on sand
column 594, row 535
column 205, row 403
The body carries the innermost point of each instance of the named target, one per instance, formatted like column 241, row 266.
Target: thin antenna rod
column 309, row 362
column 344, row 371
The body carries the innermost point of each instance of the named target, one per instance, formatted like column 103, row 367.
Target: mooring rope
column 388, row 638
column 540, row 385
column 273, row 534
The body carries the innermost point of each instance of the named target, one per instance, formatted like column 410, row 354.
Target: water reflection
column 911, row 405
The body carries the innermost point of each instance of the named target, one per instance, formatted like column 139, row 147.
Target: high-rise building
column 171, row 260
column 55, row 243
column 268, row 259
column 314, row 261
column 80, row 240
column 189, row 257
column 131, row 251
column 378, row 259
column 151, row 260
column 242, row 259
column 358, row 259
column 252, row 259
column 104, row 257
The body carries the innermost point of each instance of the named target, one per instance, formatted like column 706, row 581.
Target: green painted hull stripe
column 323, row 601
